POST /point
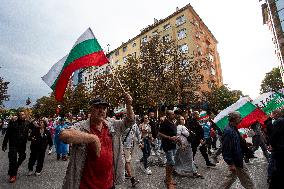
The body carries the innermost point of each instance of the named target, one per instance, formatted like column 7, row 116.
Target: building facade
column 273, row 17
column 183, row 26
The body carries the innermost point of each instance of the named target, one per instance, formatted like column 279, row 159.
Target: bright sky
column 36, row 34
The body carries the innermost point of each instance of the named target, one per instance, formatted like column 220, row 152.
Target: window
column 279, row 4
column 180, row 20
column 144, row 39
column 167, row 38
column 197, row 35
column 183, row 48
column 210, row 57
column 167, row 26
column 134, row 45
column 116, row 53
column 199, row 50
column 155, row 33
column 213, row 72
column 181, row 34
column 184, row 63
column 124, row 59
column 124, row 49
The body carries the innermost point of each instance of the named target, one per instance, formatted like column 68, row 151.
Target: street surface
column 54, row 171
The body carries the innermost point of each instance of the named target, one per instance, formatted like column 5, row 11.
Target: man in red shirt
column 96, row 156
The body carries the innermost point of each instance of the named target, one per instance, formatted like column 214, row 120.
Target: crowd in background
column 173, row 139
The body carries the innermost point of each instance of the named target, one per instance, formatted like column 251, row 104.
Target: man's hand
column 202, row 142
column 232, row 168
column 173, row 138
column 128, row 99
column 96, row 144
column 4, row 148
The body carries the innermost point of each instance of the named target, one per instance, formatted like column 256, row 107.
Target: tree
column 221, row 97
column 272, row 81
column 79, row 100
column 45, row 106
column 3, row 91
column 162, row 74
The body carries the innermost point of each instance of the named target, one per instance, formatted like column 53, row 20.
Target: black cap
column 98, row 101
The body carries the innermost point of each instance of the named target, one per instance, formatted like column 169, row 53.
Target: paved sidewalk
column 54, row 171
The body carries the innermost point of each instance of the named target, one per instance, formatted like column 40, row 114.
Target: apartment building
column 183, row 26
column 273, row 17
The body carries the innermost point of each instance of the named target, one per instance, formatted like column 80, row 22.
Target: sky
column 34, row 35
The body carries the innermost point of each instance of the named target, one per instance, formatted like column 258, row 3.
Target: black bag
column 191, row 137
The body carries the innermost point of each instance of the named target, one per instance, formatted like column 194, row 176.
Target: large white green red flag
column 249, row 113
column 85, row 53
column 270, row 101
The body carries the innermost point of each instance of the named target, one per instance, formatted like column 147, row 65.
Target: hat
column 98, row 101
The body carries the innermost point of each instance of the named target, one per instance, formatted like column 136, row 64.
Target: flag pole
column 115, row 77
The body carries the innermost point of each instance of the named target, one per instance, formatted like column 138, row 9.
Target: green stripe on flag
column 275, row 103
column 244, row 110
column 82, row 49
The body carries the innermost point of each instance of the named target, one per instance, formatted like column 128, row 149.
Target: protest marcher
column 4, row 127
column 168, row 132
column 60, row 146
column 233, row 154
column 128, row 146
column 145, row 145
column 277, row 152
column 17, row 137
column 258, row 139
column 183, row 158
column 195, row 126
column 96, row 160
column 40, row 138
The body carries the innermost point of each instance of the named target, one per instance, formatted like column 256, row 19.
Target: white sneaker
column 148, row 171
column 37, row 174
column 30, row 173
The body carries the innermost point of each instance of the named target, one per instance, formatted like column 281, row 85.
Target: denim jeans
column 146, row 151
column 170, row 156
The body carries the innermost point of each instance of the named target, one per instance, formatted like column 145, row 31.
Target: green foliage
column 272, row 81
column 3, row 91
column 162, row 74
column 222, row 97
column 73, row 101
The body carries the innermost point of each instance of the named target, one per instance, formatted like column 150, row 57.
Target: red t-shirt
column 98, row 172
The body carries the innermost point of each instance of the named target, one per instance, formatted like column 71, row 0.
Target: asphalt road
column 54, row 171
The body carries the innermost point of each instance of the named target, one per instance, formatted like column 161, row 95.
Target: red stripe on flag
column 94, row 59
column 256, row 115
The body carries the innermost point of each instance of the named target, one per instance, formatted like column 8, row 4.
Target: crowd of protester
column 100, row 148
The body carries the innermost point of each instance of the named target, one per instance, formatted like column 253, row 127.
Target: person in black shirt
column 168, row 132
column 40, row 137
column 277, row 153
column 196, row 127
column 17, row 137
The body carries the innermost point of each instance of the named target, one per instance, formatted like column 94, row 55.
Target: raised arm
column 129, row 110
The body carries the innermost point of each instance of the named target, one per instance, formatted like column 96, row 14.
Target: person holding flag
column 96, row 160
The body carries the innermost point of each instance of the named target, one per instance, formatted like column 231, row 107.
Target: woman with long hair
column 40, row 137
column 146, row 137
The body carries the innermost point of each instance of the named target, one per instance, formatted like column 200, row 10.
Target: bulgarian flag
column 85, row 53
column 203, row 115
column 270, row 101
column 249, row 113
